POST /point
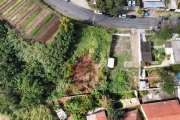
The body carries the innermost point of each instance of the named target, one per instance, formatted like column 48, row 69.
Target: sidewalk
column 81, row 3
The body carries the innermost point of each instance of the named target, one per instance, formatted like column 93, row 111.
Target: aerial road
column 78, row 12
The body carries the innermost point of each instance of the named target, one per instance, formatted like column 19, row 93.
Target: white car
column 122, row 16
column 129, row 2
column 133, row 3
column 97, row 12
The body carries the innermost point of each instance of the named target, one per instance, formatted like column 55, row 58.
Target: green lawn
column 154, row 40
column 31, row 18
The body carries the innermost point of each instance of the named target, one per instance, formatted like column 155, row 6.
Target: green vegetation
column 12, row 7
column 3, row 2
column 178, row 5
column 95, row 41
column 110, row 6
column 143, row 93
column 140, row 12
column 46, row 19
column 175, row 68
column 158, row 55
column 168, row 81
column 152, row 84
column 31, row 18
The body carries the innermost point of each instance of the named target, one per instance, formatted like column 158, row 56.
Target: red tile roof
column 133, row 115
column 97, row 116
column 169, row 110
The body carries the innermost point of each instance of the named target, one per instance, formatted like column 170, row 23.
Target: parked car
column 129, row 2
column 122, row 16
column 97, row 12
column 163, row 18
column 67, row 0
column 178, row 18
column 107, row 14
column 131, row 16
column 133, row 2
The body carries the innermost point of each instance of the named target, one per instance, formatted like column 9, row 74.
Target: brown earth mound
column 85, row 74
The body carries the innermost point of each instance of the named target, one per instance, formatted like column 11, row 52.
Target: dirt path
column 7, row 6
column 29, row 13
column 39, row 19
column 3, row 117
column 13, row 12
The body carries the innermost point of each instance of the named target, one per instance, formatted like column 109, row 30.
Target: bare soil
column 7, row 6
column 50, row 30
column 13, row 12
column 85, row 74
column 3, row 117
column 18, row 25
column 39, row 19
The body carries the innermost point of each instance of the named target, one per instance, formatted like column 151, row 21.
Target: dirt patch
column 3, row 117
column 153, row 77
column 5, row 4
column 85, row 74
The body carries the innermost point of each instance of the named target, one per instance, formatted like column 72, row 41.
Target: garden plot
column 3, row 2
column 29, row 13
column 47, row 30
column 37, row 21
column 21, row 14
column 4, row 5
column 13, row 12
column 7, row 6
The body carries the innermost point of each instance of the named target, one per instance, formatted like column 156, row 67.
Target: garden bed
column 7, row 6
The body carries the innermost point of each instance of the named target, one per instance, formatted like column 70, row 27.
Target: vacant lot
column 27, row 17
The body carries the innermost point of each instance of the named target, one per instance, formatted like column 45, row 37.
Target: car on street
column 122, row 16
column 133, row 3
column 107, row 14
column 129, row 2
column 163, row 18
column 97, row 12
column 67, row 0
column 178, row 18
column 131, row 16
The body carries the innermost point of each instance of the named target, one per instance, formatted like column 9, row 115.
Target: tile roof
column 133, row 115
column 162, row 110
column 97, row 116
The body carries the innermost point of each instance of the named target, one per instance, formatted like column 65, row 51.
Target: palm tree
column 66, row 24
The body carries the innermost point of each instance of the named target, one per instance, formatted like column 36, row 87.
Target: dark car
column 131, row 16
column 107, row 14
column 163, row 18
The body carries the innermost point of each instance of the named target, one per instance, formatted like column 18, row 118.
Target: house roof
column 146, row 51
column 133, row 115
column 154, row 4
column 166, row 110
column 175, row 44
column 97, row 116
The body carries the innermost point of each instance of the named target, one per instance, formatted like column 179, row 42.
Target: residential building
column 154, row 4
column 165, row 110
column 133, row 115
column 146, row 54
column 99, row 115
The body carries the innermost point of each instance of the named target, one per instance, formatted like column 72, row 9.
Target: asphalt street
column 77, row 12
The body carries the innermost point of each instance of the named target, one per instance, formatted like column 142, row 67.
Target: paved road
column 88, row 15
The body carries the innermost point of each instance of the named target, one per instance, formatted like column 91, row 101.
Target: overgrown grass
column 46, row 19
column 95, row 41
column 12, row 7
column 155, row 41
column 31, row 18
column 3, row 2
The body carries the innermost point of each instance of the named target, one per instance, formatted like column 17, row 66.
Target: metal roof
column 154, row 4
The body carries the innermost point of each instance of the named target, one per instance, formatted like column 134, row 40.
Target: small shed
column 146, row 51
column 100, row 115
column 133, row 115
column 110, row 62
